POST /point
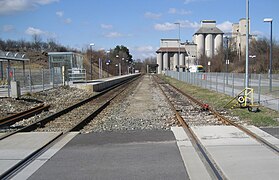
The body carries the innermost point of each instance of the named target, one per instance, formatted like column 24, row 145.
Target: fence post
column 13, row 73
column 205, row 78
column 209, row 74
column 232, row 85
column 224, row 85
column 43, row 79
column 52, row 75
column 30, row 80
column 244, row 81
column 259, row 89
column 1, row 71
column 9, row 79
column 216, row 82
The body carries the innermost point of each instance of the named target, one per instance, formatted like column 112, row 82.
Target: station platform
column 91, row 85
column 153, row 154
column 102, row 84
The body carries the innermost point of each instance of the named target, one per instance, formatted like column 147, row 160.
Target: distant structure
column 238, row 38
column 178, row 56
column 209, row 39
column 174, row 56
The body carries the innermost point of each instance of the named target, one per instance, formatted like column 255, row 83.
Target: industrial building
column 174, row 55
column 209, row 39
column 238, row 37
column 178, row 56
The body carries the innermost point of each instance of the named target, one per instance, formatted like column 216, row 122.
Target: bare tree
column 37, row 40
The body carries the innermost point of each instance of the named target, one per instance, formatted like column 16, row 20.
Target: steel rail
column 51, row 117
column 23, row 115
column 227, row 121
column 12, row 171
column 214, row 170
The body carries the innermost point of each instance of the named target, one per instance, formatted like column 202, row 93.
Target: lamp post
column 177, row 23
column 122, row 65
column 116, row 65
column 252, row 57
column 91, row 59
column 270, row 53
column 119, row 64
column 247, row 47
column 107, row 62
column 227, row 58
column 227, row 71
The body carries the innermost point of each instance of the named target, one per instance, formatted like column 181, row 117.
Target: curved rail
column 23, row 115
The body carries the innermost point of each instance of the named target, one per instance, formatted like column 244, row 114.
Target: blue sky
column 137, row 24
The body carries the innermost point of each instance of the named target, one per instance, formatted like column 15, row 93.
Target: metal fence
column 33, row 80
column 233, row 83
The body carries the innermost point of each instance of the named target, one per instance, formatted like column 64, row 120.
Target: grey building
column 174, row 55
column 177, row 56
column 209, row 39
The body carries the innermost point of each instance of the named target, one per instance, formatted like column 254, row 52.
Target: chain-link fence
column 33, row 80
column 233, row 83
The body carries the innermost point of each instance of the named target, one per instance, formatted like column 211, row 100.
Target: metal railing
column 33, row 80
column 77, row 74
column 233, row 83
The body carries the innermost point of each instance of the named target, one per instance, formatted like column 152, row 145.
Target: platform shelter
column 66, row 64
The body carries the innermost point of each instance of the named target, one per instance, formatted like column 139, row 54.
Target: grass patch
column 266, row 116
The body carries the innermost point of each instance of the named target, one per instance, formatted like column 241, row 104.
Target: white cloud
column 189, row 1
column 151, row 15
column 113, row 35
column 12, row 6
column 165, row 26
column 225, row 26
column 60, row 13
column 180, row 12
column 34, row 31
column 189, row 25
column 171, row 26
column 68, row 20
column 106, row 26
column 8, row 28
column 258, row 33
column 143, row 52
column 44, row 2
column 144, row 49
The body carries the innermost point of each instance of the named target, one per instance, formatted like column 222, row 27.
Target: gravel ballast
column 143, row 108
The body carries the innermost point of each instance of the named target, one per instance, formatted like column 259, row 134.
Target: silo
column 182, row 59
column 200, row 45
column 175, row 61
column 166, row 61
column 159, row 62
column 209, row 44
column 218, row 43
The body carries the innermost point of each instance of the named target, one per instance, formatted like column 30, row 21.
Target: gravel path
column 144, row 107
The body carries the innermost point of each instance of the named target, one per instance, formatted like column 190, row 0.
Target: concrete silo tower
column 209, row 39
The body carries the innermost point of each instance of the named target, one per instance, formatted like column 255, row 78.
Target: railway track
column 7, row 121
column 191, row 112
column 93, row 106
